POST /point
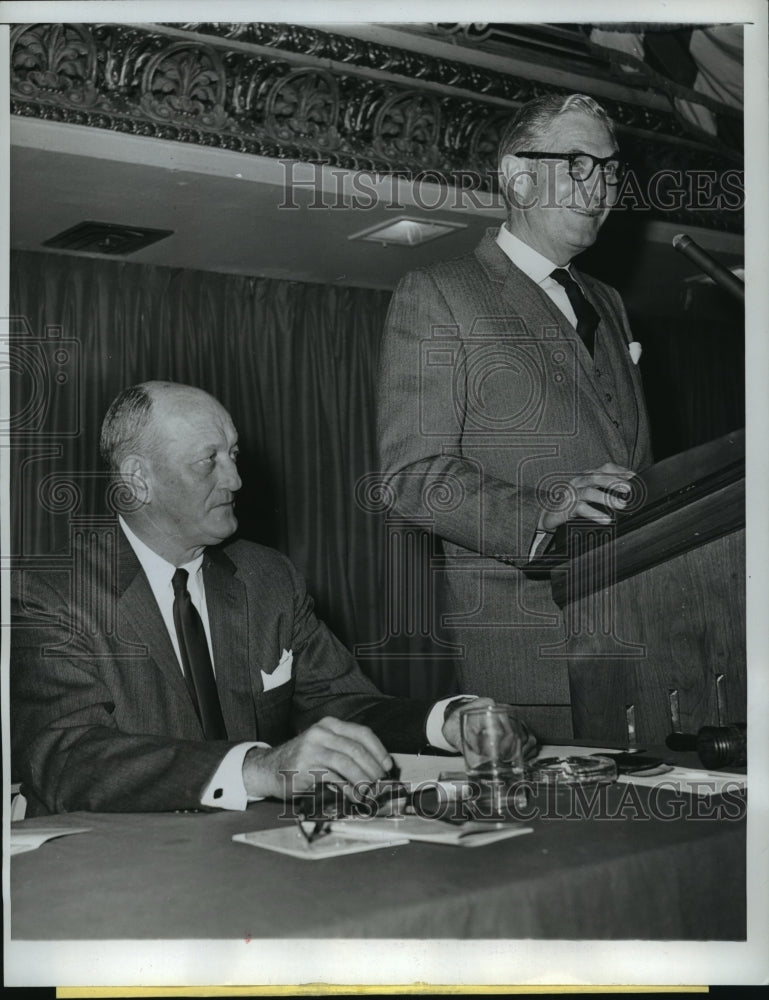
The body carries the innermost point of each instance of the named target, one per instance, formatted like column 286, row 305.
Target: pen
column 319, row 829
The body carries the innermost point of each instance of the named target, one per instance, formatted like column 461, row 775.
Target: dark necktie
column 587, row 317
column 196, row 661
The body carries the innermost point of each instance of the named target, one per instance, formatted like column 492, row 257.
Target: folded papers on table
column 361, row 833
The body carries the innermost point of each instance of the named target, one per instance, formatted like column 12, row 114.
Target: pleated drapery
column 294, row 363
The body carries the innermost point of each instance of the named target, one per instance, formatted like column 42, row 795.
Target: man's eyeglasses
column 320, row 828
column 582, row 165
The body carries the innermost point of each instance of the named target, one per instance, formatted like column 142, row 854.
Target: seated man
column 214, row 660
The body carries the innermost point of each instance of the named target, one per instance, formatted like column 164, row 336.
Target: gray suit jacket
column 101, row 716
column 488, row 401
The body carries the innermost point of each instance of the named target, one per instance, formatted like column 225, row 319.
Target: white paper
column 30, row 839
column 432, row 831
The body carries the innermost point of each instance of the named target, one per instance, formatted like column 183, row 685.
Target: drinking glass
column 492, row 747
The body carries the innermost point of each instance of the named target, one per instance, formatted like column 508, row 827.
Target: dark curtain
column 294, row 363
column 693, row 368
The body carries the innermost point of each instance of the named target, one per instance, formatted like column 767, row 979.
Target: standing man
column 510, row 400
column 182, row 679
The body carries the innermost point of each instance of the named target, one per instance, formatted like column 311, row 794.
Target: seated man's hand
column 607, row 487
column 345, row 751
column 452, row 727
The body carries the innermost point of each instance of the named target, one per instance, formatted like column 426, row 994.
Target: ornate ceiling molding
column 293, row 92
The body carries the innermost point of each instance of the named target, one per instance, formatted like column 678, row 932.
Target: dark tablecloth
column 181, row 876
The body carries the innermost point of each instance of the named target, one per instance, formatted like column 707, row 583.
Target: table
column 180, row 876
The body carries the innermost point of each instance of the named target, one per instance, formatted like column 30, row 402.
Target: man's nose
column 600, row 188
column 230, row 478
column 608, row 192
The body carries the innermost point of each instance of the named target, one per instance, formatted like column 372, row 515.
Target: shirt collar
column 155, row 566
column 526, row 258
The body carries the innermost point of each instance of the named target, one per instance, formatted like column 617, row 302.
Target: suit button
column 616, row 423
column 598, row 372
column 607, row 397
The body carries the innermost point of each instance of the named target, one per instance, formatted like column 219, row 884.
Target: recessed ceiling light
column 407, row 232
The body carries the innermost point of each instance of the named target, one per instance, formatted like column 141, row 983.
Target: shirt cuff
column 435, row 720
column 226, row 789
column 539, row 538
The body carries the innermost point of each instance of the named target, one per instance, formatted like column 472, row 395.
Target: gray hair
column 124, row 428
column 530, row 124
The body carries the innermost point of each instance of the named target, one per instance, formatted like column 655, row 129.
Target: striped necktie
column 587, row 318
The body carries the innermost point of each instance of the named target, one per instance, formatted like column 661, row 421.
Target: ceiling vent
column 107, row 238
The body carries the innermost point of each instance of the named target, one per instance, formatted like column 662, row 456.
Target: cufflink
column 455, row 702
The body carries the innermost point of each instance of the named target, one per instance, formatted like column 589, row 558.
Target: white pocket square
column 281, row 674
column 635, row 351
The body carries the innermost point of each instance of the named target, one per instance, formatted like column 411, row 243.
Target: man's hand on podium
column 593, row 495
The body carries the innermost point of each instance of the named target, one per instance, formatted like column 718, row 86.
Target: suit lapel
column 522, row 296
column 227, row 605
column 137, row 604
column 625, row 375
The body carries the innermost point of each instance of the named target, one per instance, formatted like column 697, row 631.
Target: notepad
column 432, row 831
column 30, row 838
column 288, row 840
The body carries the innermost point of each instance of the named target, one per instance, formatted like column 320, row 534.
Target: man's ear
column 135, row 475
column 518, row 180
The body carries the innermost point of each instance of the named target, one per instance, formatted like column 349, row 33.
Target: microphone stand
column 720, row 274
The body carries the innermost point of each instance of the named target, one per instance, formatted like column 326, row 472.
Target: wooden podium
column 655, row 605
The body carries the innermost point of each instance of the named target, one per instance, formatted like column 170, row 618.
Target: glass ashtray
column 563, row 771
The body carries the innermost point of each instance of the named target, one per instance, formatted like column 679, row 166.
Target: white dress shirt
column 226, row 789
column 538, row 268
column 159, row 574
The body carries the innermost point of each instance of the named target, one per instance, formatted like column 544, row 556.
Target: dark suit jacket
column 487, row 399
column 101, row 716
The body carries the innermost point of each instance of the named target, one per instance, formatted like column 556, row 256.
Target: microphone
column 720, row 274
column 716, row 746
column 681, row 741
